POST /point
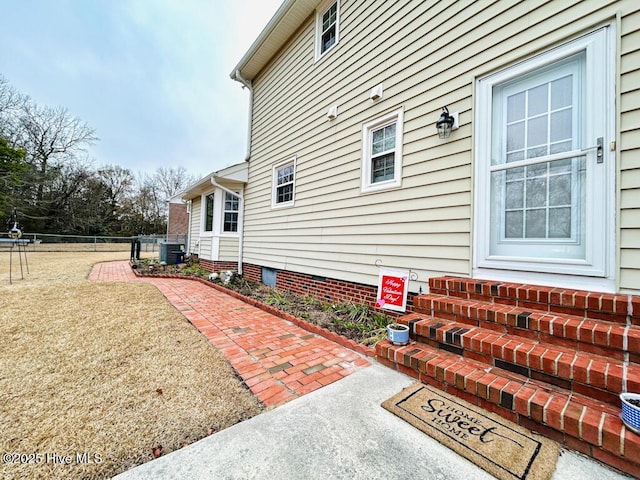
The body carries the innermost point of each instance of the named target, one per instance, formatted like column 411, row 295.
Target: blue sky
column 150, row 76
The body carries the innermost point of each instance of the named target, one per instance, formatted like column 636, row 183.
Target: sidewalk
column 336, row 432
column 277, row 360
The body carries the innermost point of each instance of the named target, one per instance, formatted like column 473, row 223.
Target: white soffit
column 286, row 21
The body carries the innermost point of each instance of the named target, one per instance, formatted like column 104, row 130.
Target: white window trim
column 320, row 11
column 274, row 183
column 602, row 277
column 397, row 117
column 203, row 214
column 222, row 231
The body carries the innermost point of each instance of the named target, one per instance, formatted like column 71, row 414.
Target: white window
column 327, row 27
column 284, row 183
column 382, row 152
column 208, row 213
column 230, row 214
column 543, row 184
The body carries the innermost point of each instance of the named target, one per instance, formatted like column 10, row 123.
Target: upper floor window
column 327, row 24
column 283, row 183
column 231, row 209
column 208, row 213
column 382, row 152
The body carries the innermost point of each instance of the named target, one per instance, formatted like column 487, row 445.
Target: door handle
column 598, row 148
column 599, row 156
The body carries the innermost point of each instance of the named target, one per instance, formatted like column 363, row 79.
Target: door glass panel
column 515, row 137
column 541, row 202
column 561, row 125
column 515, row 107
column 538, row 209
column 537, row 100
column 560, row 147
column 514, row 195
column 560, row 223
column 536, row 192
column 561, row 92
column 535, row 224
column 513, row 224
column 537, row 132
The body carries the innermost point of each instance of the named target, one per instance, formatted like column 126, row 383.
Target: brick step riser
column 582, row 346
column 594, row 337
column 601, row 378
column 608, row 394
column 584, row 425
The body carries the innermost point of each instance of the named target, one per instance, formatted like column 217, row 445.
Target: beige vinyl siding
column 200, row 245
column 205, row 248
column 194, row 221
column 629, row 151
column 228, row 249
column 334, row 229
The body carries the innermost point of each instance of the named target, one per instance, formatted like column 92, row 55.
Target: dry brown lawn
column 110, row 370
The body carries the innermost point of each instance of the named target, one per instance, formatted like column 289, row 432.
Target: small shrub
column 195, row 270
column 357, row 312
column 277, row 299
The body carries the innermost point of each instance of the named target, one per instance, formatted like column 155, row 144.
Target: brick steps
column 598, row 377
column 598, row 337
column 550, row 359
column 577, row 421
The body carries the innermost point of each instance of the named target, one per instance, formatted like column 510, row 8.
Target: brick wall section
column 178, row 223
column 252, row 272
column 217, row 266
column 323, row 288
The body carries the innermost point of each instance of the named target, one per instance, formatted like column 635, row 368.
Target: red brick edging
column 310, row 327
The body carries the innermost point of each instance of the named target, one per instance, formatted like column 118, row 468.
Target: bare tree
column 119, row 182
column 51, row 137
column 171, row 181
column 11, row 102
column 53, row 134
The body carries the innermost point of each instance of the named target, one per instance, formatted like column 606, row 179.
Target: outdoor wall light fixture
column 446, row 123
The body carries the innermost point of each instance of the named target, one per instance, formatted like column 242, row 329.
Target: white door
column 544, row 199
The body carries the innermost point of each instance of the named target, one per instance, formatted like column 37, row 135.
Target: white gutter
column 246, row 83
column 188, row 245
column 240, row 218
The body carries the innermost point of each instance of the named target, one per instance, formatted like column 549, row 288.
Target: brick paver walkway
column 277, row 360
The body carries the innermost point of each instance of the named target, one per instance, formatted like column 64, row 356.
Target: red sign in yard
column 393, row 286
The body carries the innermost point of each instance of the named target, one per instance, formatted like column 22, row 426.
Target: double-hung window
column 208, row 213
column 284, row 183
column 327, row 27
column 382, row 152
column 231, row 209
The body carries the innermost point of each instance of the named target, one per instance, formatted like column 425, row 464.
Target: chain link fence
column 46, row 242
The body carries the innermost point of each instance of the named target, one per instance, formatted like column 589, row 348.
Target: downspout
column 240, row 218
column 246, row 83
column 188, row 240
column 168, row 208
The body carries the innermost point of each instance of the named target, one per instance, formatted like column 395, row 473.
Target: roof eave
column 285, row 22
column 236, row 175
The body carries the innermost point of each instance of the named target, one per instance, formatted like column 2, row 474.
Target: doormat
column 499, row 446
